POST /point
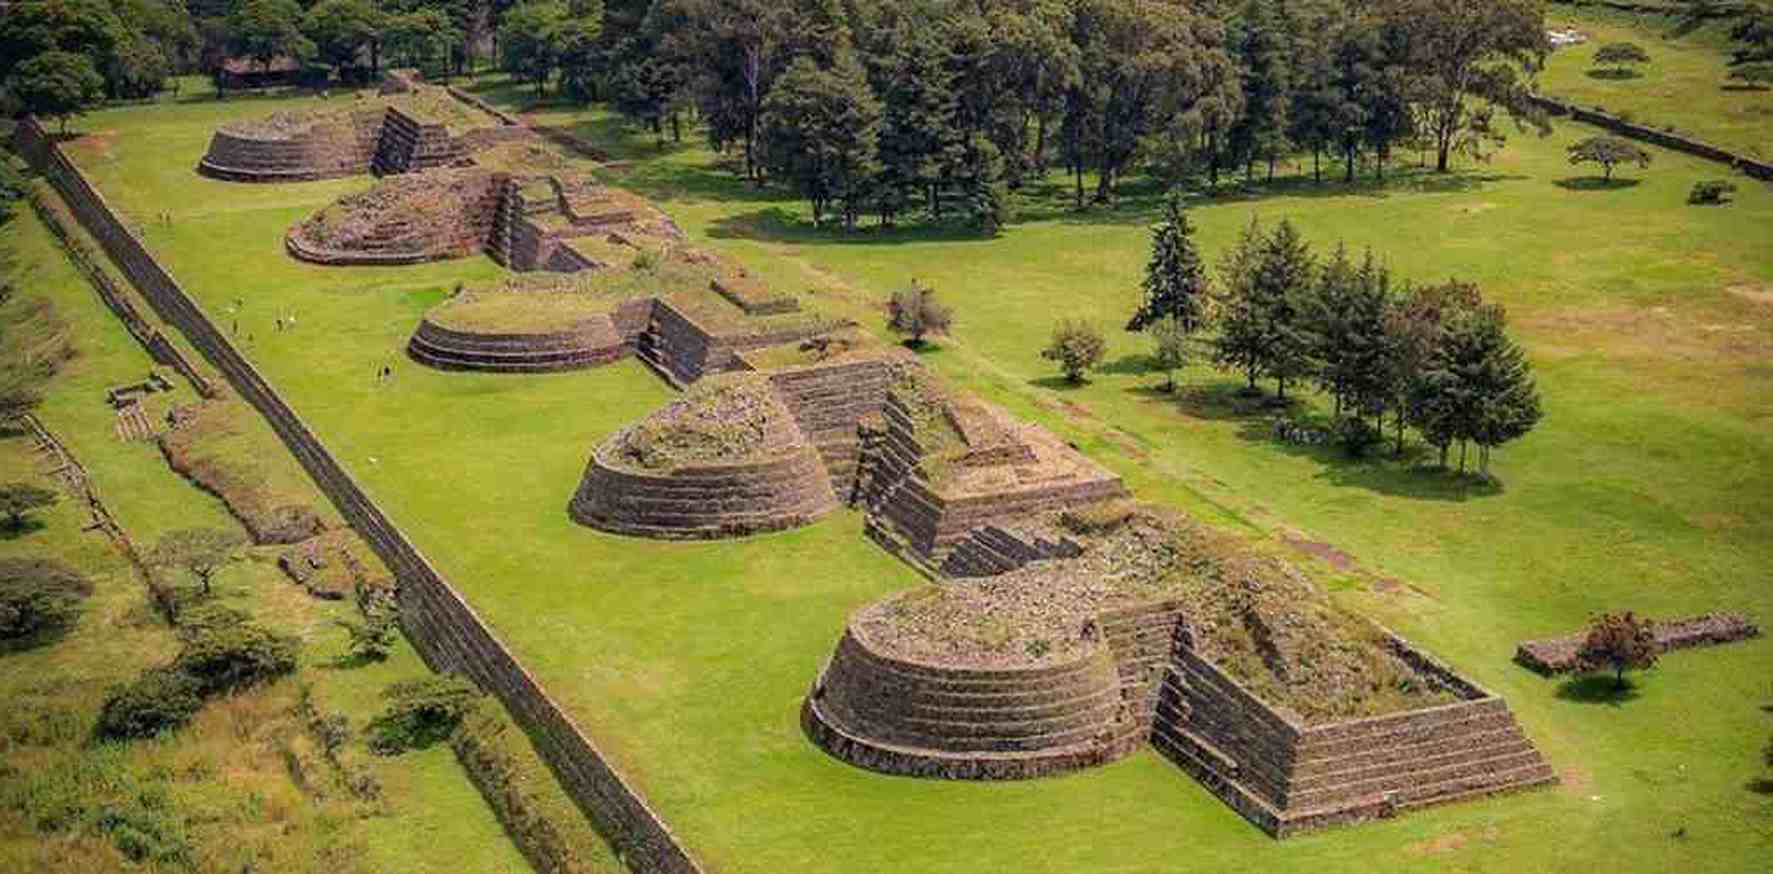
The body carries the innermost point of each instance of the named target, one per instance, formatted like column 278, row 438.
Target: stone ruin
column 1065, row 626
column 1161, row 632
column 527, row 221
column 408, row 128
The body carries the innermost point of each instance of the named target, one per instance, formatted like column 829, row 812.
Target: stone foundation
column 903, row 717
column 704, row 502
column 1557, row 655
column 591, row 343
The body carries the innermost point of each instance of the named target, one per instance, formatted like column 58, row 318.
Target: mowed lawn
column 1649, row 486
column 1686, row 84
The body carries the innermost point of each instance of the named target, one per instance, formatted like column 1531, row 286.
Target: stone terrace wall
column 829, row 403
column 704, row 502
column 474, row 207
column 1666, row 139
column 323, row 152
column 898, row 716
column 1557, row 655
column 591, row 343
column 449, row 634
column 1287, row 777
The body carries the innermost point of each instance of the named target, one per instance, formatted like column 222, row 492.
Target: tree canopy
column 1609, row 152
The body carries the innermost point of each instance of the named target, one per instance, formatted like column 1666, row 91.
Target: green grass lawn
column 240, row 803
column 1650, row 485
column 1686, row 84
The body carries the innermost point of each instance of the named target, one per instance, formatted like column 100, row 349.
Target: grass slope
column 1649, row 486
column 1686, row 84
column 222, row 773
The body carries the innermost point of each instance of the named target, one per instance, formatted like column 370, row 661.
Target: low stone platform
column 1557, row 655
column 591, row 343
column 900, row 716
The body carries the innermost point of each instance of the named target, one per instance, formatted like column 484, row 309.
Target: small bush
column 421, row 713
column 145, row 828
column 225, row 658
column 913, row 313
column 1077, row 346
column 1711, row 191
column 373, row 638
column 159, row 700
column 1358, row 436
column 1096, row 519
column 40, row 600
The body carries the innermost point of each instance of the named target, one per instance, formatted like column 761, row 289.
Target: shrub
column 1077, row 346
column 1711, row 191
column 914, row 313
column 17, row 500
column 1618, row 642
column 159, row 700
column 225, row 658
column 1105, row 517
column 1358, row 436
column 373, row 638
column 421, row 713
column 40, row 600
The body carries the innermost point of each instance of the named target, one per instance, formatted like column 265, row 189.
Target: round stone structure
column 588, row 343
column 726, row 461
column 898, row 715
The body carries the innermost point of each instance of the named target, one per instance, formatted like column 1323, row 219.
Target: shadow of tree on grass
column 1594, row 183
column 1598, row 689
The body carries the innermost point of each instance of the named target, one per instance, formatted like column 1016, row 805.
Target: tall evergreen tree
column 1348, row 309
column 818, row 131
column 1266, row 53
column 1176, row 283
column 917, row 134
column 1241, row 342
column 1281, row 288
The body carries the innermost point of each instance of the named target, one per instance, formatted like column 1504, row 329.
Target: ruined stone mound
column 942, row 464
column 296, row 146
column 419, row 128
column 1227, row 659
column 529, row 324
column 407, row 219
column 725, row 460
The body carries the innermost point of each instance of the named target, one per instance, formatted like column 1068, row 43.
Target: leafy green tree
column 646, row 90
column 20, row 499
column 914, row 313
column 1414, row 326
column 421, row 37
column 1621, row 58
column 1169, row 347
column 1619, row 642
column 57, row 85
column 201, row 551
column 818, row 130
column 532, row 37
column 40, row 599
column 1176, row 283
column 1751, row 60
column 265, row 30
column 1501, row 380
column 1608, row 151
column 1466, row 59
column 343, row 31
column 87, row 28
column 1077, row 347
column 137, row 69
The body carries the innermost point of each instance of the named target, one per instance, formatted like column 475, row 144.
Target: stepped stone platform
column 901, row 716
column 1557, row 655
column 590, row 343
column 726, row 461
column 411, row 127
column 1081, row 646
column 944, row 466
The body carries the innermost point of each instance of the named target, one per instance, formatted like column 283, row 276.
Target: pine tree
column 819, row 129
column 1266, row 53
column 1348, row 309
column 1281, row 288
column 1241, row 340
column 1176, row 282
column 917, row 134
column 1508, row 397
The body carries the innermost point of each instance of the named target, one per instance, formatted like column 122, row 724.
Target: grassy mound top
column 428, row 104
column 722, row 420
column 517, row 311
column 839, row 346
column 1256, row 616
column 404, row 212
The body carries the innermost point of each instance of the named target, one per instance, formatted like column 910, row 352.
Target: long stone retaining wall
column 1557, row 655
column 1667, row 139
column 444, row 628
